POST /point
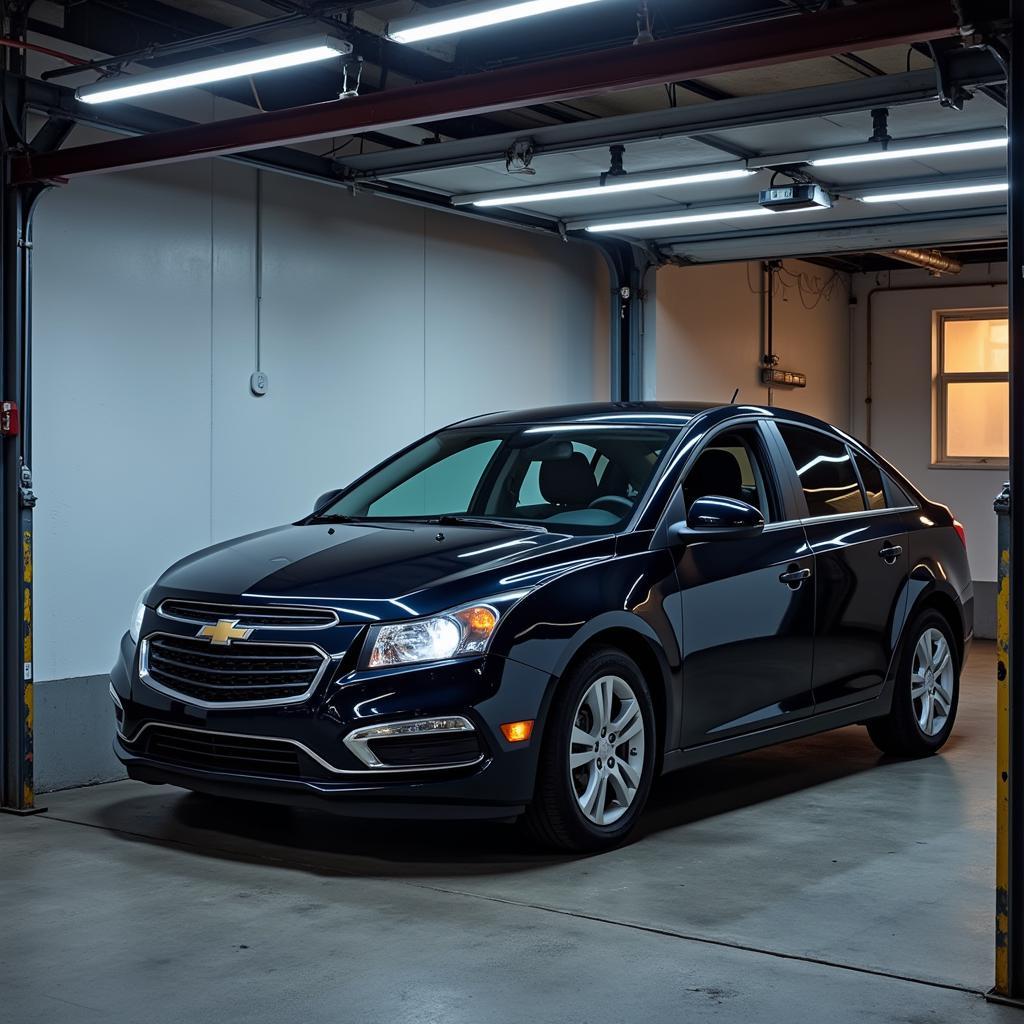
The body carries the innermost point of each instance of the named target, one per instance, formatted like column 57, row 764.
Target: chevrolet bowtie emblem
column 224, row 632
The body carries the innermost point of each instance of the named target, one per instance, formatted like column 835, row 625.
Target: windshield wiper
column 450, row 520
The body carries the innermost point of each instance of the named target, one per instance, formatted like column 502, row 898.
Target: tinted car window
column 871, row 476
column 440, row 487
column 585, row 479
column 826, row 471
column 728, row 467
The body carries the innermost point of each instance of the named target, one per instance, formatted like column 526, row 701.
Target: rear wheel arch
column 947, row 608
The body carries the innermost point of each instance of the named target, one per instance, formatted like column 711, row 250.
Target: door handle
column 794, row 578
column 890, row 553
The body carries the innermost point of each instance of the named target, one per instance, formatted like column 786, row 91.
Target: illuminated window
column 972, row 388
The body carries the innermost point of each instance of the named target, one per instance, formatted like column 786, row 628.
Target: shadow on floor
column 322, row 841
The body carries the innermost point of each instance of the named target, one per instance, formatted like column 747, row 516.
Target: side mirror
column 326, row 498
column 714, row 517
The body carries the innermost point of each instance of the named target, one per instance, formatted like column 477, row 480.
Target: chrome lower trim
column 295, row 743
column 358, row 739
column 114, row 697
column 168, row 691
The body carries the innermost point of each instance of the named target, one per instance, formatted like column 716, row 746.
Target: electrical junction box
column 795, row 197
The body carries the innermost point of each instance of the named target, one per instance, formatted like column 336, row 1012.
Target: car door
column 746, row 605
column 861, row 564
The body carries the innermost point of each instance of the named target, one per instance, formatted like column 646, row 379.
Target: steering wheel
column 613, row 503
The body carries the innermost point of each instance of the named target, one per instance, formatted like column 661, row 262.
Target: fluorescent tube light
column 473, row 16
column 224, row 66
column 935, row 193
column 688, row 218
column 910, row 152
column 614, row 187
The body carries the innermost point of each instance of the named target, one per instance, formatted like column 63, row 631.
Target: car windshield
column 581, row 479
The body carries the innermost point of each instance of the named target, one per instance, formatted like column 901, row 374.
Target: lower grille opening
column 428, row 749
column 215, row 752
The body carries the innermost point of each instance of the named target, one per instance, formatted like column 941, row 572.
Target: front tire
column 598, row 755
column 927, row 692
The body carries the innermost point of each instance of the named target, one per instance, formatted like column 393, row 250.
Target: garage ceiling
column 435, row 163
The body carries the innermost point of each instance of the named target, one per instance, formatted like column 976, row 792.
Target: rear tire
column 597, row 758
column 927, row 691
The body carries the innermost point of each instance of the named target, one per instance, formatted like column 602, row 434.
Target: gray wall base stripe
column 74, row 729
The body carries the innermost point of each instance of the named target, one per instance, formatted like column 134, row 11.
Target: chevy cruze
column 531, row 615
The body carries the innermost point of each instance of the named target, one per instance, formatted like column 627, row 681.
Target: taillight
column 960, row 532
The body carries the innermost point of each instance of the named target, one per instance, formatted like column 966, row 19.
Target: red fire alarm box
column 10, row 420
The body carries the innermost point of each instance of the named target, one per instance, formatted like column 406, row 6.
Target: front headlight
column 138, row 615
column 456, row 634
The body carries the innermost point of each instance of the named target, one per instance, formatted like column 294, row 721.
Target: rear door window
column 826, row 471
column 871, row 477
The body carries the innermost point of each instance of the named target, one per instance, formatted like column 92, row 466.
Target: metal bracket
column 351, row 90
column 519, row 156
column 28, row 496
column 952, row 96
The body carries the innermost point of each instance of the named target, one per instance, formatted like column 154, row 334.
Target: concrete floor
column 814, row 881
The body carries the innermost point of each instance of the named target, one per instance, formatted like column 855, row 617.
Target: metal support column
column 626, row 320
column 1010, row 805
column 17, row 792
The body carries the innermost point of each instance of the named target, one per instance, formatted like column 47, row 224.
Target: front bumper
column 487, row 691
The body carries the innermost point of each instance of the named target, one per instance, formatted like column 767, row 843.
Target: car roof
column 670, row 414
column 676, row 414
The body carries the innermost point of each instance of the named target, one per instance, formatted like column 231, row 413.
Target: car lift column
column 1009, row 985
column 17, row 792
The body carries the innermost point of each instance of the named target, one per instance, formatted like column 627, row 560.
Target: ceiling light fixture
column 466, row 17
column 637, row 183
column 224, row 66
column 687, row 218
column 910, row 152
column 934, row 193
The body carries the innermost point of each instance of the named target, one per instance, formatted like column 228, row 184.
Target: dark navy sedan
column 531, row 615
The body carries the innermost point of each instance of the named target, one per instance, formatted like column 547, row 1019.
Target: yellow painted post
column 1002, row 981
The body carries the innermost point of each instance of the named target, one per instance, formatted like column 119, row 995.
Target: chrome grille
column 244, row 672
column 247, row 616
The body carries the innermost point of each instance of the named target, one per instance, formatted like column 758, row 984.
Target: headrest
column 568, row 481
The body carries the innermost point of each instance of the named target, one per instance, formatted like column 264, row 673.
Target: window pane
column 872, row 477
column 976, row 346
column 978, row 420
column 445, row 486
column 825, row 470
column 726, row 468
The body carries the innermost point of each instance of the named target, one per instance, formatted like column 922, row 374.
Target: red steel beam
column 867, row 25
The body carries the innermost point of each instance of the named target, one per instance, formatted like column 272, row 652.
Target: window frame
column 940, row 389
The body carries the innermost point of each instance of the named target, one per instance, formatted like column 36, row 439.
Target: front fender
column 628, row 600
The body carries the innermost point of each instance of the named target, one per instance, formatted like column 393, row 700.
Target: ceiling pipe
column 874, row 23
column 930, row 259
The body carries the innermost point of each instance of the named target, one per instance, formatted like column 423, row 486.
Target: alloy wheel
column 932, row 682
column 606, row 751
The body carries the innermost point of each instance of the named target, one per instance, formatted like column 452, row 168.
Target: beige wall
column 708, row 330
column 902, row 311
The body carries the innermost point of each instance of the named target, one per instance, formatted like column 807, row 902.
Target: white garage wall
column 379, row 322
column 708, row 325
column 901, row 409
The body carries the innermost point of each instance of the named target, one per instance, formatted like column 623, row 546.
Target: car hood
column 378, row 570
